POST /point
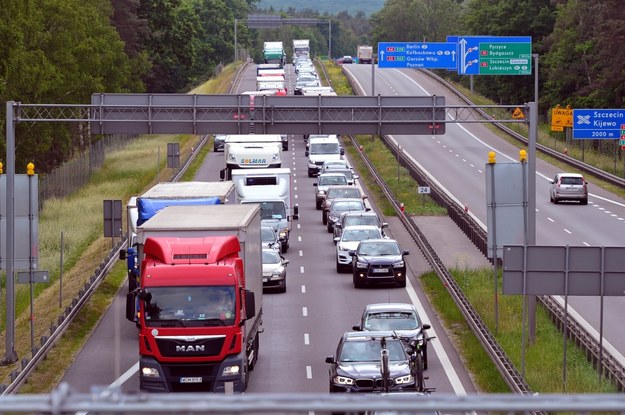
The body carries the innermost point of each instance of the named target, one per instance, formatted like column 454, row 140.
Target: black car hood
column 371, row 370
column 380, row 260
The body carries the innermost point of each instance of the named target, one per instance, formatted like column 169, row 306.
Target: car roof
column 345, row 199
column 570, row 175
column 382, row 307
column 393, row 241
column 344, row 186
column 360, row 227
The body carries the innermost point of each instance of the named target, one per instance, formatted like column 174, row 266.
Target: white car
column 274, row 270
column 349, row 240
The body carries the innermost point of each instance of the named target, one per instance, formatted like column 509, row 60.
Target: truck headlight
column 150, row 372
column 342, row 380
column 404, row 380
column 231, row 157
column 283, row 233
column 276, row 156
column 231, row 370
column 399, row 264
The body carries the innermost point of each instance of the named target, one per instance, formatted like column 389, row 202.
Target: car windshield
column 391, row 320
column 267, row 235
column 339, row 193
column 271, row 257
column 371, row 350
column 345, row 206
column 189, row 303
column 378, row 249
column 324, row 148
column 332, row 180
column 350, row 235
column 272, row 210
column 347, row 173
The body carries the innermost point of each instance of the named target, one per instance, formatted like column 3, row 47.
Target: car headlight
column 403, row 380
column 231, row 370
column 360, row 264
column 342, row 380
column 150, row 372
column 231, row 157
column 277, row 273
column 342, row 248
column 283, row 233
column 321, row 193
column 399, row 264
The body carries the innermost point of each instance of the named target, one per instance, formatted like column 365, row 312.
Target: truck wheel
column 285, row 247
column 256, row 346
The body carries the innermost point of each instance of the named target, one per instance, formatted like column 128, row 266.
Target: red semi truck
column 199, row 303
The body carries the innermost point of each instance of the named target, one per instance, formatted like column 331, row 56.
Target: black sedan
column 374, row 361
column 379, row 261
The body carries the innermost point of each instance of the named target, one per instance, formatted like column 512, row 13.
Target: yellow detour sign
column 518, row 114
column 561, row 117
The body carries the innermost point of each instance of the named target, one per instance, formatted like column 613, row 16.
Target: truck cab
column 251, row 151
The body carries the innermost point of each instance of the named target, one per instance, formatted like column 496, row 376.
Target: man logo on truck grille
column 196, row 348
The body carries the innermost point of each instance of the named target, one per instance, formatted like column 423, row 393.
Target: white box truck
column 251, row 151
column 272, row 190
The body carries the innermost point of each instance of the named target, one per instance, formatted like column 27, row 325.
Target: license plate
column 191, row 380
column 380, row 270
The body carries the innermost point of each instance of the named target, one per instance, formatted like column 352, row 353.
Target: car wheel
column 310, row 174
column 324, row 218
column 357, row 283
column 584, row 201
column 402, row 283
column 330, row 228
column 318, row 205
column 555, row 200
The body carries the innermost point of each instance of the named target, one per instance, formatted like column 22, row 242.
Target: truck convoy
column 271, row 188
column 199, row 304
column 140, row 209
column 301, row 49
column 273, row 52
column 365, row 54
column 250, row 151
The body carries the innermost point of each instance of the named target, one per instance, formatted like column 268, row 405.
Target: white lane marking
column 308, row 372
column 119, row 381
column 550, row 220
column 567, row 231
column 301, row 270
column 299, row 239
column 449, row 369
column 299, row 226
column 304, row 309
column 306, row 339
column 301, row 253
column 586, row 243
column 303, row 290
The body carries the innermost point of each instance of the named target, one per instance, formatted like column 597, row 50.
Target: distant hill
column 329, row 6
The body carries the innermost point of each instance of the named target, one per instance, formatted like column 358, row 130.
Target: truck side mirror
column 131, row 306
column 342, row 151
column 296, row 212
column 250, row 304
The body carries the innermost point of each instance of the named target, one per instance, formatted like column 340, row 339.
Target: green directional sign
column 505, row 58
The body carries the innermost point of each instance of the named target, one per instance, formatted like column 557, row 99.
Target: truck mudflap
column 193, row 376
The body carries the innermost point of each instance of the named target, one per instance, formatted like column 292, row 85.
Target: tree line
column 62, row 51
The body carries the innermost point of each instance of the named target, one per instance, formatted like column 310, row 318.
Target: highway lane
column 302, row 326
column 457, row 161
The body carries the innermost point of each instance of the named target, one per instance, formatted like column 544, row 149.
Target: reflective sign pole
column 10, row 355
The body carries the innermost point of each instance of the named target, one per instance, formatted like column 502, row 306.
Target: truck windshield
column 324, row 148
column 206, row 304
column 272, row 210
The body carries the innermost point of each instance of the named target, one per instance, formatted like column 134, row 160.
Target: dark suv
column 341, row 205
column 378, row 261
column 401, row 318
column 375, row 361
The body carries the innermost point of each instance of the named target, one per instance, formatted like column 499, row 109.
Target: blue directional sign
column 598, row 124
column 510, row 60
column 430, row 55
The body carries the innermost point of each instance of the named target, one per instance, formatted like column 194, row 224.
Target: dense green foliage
column 62, row 51
column 324, row 6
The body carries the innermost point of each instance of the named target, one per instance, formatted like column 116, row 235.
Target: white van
column 320, row 149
